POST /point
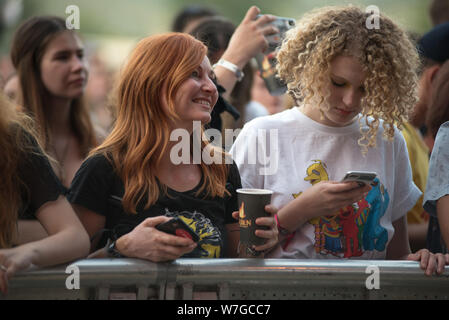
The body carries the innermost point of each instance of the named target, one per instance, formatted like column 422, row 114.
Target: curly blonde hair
column 386, row 54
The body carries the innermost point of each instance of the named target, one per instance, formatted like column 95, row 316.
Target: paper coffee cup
column 252, row 204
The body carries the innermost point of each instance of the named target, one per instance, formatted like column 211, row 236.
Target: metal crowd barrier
column 230, row 279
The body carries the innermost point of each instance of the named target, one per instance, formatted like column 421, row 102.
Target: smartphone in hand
column 362, row 177
column 178, row 227
column 266, row 61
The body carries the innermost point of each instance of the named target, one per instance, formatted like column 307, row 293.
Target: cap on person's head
column 434, row 45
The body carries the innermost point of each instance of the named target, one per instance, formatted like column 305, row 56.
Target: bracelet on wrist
column 231, row 67
column 281, row 230
column 113, row 252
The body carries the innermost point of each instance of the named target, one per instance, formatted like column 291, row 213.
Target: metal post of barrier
column 142, row 292
column 187, row 291
column 224, row 291
column 161, row 291
column 102, row 292
column 170, row 291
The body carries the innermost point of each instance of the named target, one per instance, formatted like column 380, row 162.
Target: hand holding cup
column 258, row 231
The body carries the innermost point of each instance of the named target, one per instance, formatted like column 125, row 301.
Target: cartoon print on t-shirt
column 210, row 243
column 374, row 235
column 352, row 219
column 332, row 232
column 316, row 173
column 355, row 228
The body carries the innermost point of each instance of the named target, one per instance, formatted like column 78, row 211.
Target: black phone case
column 178, row 227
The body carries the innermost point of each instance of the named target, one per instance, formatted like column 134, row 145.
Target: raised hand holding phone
column 267, row 60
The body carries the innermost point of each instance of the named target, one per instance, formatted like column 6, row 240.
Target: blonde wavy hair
column 156, row 69
column 386, row 54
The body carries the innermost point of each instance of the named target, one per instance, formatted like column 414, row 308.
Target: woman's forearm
column 29, row 231
column 67, row 245
column 291, row 217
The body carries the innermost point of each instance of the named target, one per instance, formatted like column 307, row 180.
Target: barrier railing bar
column 231, row 279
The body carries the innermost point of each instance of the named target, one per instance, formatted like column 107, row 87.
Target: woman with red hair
column 131, row 183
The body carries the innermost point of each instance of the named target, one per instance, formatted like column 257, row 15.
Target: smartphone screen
column 362, row 177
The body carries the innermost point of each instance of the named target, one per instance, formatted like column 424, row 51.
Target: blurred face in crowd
column 63, row 66
column 260, row 93
column 197, row 96
column 424, row 94
column 346, row 92
column 11, row 88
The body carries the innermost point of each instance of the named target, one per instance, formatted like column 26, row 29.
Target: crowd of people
column 358, row 99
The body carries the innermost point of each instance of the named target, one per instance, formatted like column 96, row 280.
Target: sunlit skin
column 194, row 101
column 346, row 92
column 196, row 97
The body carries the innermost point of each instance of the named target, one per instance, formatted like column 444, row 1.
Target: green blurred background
column 112, row 27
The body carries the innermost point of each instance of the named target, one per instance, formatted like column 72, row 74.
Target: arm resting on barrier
column 67, row 241
column 146, row 242
column 399, row 249
column 28, row 231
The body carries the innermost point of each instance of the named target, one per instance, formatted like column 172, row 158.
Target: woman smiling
column 129, row 184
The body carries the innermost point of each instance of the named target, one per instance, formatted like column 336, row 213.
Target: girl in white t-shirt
column 353, row 79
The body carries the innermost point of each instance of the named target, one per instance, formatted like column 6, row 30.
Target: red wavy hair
column 157, row 67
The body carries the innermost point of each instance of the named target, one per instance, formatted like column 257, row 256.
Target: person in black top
column 29, row 188
column 52, row 73
column 52, row 70
column 141, row 176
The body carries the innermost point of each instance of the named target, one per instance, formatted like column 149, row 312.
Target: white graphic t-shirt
column 289, row 152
